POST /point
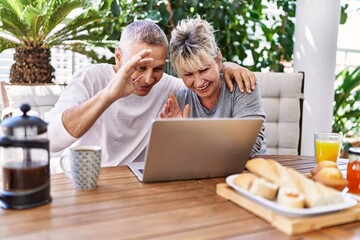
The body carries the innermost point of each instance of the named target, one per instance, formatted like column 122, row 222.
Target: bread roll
column 244, row 180
column 326, row 163
column 264, row 188
column 290, row 197
column 323, row 164
column 331, row 177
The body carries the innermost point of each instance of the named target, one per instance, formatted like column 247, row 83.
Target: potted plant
column 33, row 27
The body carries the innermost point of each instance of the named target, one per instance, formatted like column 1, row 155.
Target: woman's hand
column 171, row 109
column 243, row 77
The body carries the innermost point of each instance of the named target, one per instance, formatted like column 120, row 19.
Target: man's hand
column 243, row 77
column 171, row 109
column 122, row 84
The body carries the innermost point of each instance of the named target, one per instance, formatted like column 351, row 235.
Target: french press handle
column 41, row 143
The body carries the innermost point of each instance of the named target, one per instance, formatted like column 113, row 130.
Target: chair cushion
column 281, row 95
column 41, row 98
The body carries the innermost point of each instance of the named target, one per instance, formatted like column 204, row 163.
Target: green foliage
column 36, row 23
column 343, row 16
column 243, row 26
column 347, row 102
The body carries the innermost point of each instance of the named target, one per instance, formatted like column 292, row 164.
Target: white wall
column 316, row 32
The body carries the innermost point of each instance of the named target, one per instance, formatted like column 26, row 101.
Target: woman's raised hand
column 171, row 109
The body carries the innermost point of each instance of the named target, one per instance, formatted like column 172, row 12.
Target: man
column 113, row 105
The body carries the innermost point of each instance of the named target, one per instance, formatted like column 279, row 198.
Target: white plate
column 287, row 211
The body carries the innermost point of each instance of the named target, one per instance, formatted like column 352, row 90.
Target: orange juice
column 327, row 150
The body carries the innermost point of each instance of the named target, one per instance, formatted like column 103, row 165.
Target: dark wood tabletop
column 123, row 208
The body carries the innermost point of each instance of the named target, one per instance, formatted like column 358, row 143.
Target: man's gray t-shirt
column 229, row 105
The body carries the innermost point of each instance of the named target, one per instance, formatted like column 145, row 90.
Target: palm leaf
column 6, row 43
column 58, row 14
column 83, row 40
column 87, row 50
column 14, row 6
column 35, row 20
column 25, row 2
column 77, row 25
column 81, row 37
column 12, row 24
column 39, row 4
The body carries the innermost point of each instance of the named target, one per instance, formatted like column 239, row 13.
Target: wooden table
column 123, row 208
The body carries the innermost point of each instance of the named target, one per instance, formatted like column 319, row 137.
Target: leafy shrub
column 347, row 102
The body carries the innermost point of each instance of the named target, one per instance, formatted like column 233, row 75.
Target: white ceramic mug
column 85, row 162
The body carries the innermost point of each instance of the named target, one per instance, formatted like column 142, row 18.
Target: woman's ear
column 118, row 56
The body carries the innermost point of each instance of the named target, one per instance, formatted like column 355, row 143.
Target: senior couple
column 113, row 105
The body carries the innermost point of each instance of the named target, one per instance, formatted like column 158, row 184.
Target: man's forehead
column 141, row 44
column 158, row 57
column 156, row 50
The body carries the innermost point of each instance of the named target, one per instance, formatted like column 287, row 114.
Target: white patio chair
column 282, row 96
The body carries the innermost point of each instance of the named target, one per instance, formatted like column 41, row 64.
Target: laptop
column 194, row 148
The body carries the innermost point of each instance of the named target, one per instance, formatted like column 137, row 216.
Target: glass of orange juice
column 327, row 146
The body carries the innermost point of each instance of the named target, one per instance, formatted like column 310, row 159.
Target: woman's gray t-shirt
column 229, row 105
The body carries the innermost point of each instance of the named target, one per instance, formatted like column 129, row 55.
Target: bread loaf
column 290, row 197
column 259, row 166
column 271, row 171
column 244, row 180
column 264, row 188
column 315, row 195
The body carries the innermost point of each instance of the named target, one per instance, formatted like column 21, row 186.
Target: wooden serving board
column 290, row 226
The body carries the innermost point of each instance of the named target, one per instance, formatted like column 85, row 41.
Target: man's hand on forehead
column 122, row 84
column 138, row 60
column 144, row 64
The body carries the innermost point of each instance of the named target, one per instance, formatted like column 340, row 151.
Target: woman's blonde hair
column 192, row 44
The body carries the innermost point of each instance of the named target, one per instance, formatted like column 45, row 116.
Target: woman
column 198, row 61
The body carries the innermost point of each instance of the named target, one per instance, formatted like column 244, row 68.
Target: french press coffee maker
column 24, row 161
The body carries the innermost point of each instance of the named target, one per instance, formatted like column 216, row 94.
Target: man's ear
column 219, row 57
column 118, row 56
column 219, row 60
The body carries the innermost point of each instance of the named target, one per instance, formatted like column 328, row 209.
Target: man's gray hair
column 144, row 31
column 192, row 44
